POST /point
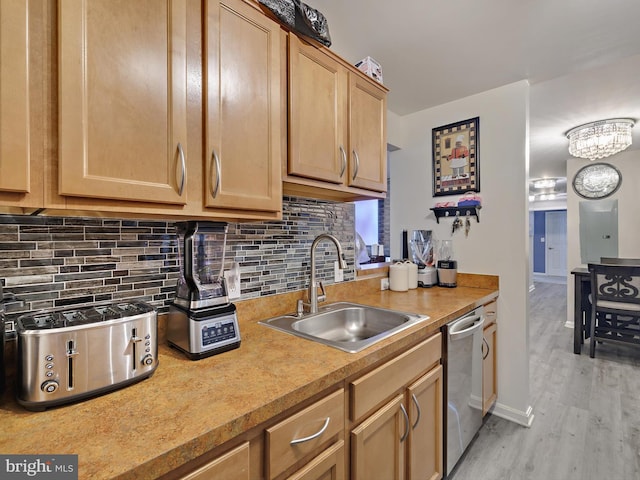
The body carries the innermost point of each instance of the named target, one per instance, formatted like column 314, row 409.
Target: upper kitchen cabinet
column 20, row 162
column 337, row 127
column 243, row 108
column 367, row 134
column 318, row 129
column 123, row 100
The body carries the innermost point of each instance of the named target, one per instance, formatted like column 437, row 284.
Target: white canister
column 412, row 274
column 399, row 277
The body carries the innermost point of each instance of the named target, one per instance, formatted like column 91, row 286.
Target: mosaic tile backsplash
column 51, row 262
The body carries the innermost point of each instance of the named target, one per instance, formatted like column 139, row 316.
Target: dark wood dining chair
column 619, row 261
column 615, row 312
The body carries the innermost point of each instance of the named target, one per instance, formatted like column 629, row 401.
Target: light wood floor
column 587, row 411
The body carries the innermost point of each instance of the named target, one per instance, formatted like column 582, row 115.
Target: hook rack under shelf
column 453, row 211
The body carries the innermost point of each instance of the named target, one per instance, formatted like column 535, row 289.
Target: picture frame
column 456, row 159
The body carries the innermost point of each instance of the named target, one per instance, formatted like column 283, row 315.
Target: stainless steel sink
column 348, row 326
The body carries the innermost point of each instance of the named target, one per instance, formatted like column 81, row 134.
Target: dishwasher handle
column 465, row 327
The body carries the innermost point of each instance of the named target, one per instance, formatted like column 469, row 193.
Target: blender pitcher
column 447, row 267
column 422, row 248
column 201, row 247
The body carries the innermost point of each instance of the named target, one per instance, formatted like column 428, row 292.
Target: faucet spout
column 313, row 283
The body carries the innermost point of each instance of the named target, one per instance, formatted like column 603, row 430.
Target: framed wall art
column 456, row 161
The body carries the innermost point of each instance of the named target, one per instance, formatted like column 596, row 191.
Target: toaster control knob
column 49, row 386
column 147, row 360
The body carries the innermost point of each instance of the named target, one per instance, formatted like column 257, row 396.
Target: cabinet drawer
column 375, row 387
column 490, row 313
column 233, row 465
column 325, row 416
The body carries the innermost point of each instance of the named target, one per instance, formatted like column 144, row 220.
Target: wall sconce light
column 600, row 139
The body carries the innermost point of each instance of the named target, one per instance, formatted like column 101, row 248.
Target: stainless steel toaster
column 71, row 354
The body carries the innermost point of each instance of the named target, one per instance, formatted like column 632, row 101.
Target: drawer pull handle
column 484, row 342
column 406, row 424
column 311, row 437
column 415, row 400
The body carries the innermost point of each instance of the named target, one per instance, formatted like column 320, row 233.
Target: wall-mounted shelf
column 453, row 211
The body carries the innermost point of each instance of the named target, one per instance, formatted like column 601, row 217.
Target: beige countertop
column 187, row 408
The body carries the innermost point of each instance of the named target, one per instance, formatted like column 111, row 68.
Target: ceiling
column 581, row 57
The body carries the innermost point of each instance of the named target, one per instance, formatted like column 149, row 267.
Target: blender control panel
column 219, row 331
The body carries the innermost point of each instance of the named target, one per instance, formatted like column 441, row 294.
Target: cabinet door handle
column 183, row 167
column 355, row 172
column 484, row 342
column 344, row 161
column 311, row 437
column 406, row 423
column 415, row 400
column 215, row 162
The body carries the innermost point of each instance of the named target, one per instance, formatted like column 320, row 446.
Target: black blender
column 202, row 321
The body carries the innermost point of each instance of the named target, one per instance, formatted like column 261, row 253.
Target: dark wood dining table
column 581, row 307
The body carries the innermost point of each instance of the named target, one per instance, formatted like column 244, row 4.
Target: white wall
column 499, row 244
column 628, row 163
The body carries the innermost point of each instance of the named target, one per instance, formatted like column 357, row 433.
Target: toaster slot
column 71, row 353
column 134, row 341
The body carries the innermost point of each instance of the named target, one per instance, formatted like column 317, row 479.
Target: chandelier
column 600, row 139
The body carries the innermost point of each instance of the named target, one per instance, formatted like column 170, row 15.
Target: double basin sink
column 350, row 327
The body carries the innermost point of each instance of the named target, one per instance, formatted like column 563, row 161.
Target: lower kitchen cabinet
column 403, row 438
column 329, row 465
column 489, row 358
column 233, row 465
column 378, row 444
column 394, row 430
column 425, row 451
column 304, row 435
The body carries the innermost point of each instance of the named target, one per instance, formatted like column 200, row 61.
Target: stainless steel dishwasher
column 463, row 383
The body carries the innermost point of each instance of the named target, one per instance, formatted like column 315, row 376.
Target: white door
column 556, row 241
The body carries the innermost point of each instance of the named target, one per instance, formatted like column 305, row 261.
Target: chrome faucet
column 313, row 283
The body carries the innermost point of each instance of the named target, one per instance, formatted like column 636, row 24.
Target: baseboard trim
column 517, row 416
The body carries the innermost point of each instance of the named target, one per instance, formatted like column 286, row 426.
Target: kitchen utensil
column 71, row 354
column 422, row 248
column 202, row 322
column 447, row 267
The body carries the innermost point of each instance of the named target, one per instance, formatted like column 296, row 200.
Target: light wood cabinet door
column 243, row 108
column 123, row 100
column 318, row 109
column 14, row 97
column 367, row 134
column 489, row 367
column 377, row 449
column 425, row 452
column 233, row 465
column 329, row 465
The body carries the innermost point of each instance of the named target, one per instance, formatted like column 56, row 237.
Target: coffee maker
column 447, row 267
column 202, row 322
column 422, row 253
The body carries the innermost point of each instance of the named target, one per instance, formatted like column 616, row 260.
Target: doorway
column 550, row 244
